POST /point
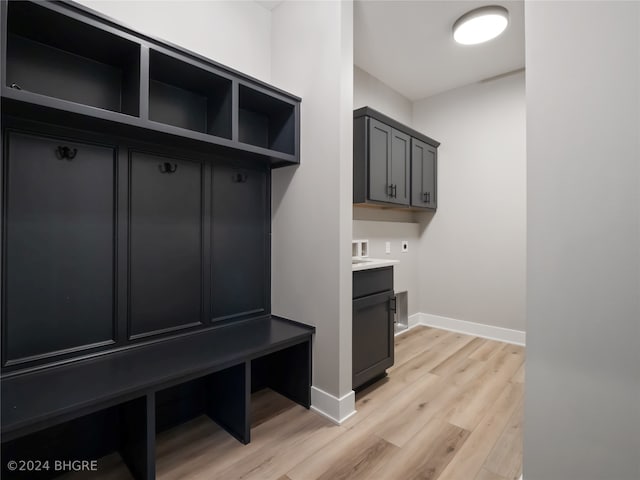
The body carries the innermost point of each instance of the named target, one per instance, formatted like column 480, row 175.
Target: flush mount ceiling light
column 480, row 25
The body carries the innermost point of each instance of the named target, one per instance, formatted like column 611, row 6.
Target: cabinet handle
column 390, row 190
column 66, row 153
column 424, row 197
column 428, row 197
column 395, row 191
column 167, row 167
column 392, row 304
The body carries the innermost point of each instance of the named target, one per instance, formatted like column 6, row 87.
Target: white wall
column 234, row 33
column 582, row 406
column 368, row 91
column 472, row 250
column 405, row 273
column 312, row 56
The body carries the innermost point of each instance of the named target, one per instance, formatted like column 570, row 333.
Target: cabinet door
column 240, row 243
column 423, row 174
column 372, row 337
column 399, row 167
column 59, row 250
column 379, row 161
column 166, row 229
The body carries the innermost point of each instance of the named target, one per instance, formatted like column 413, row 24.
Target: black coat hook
column 66, row 153
column 240, row 177
column 167, row 167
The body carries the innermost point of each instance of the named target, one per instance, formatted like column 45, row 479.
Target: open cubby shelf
column 265, row 121
column 57, row 56
column 186, row 96
column 62, row 56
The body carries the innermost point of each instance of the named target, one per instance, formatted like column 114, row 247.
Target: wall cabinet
column 393, row 165
column 423, row 174
column 372, row 320
column 389, row 158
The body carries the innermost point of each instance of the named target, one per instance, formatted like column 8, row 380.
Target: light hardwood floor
column 450, row 409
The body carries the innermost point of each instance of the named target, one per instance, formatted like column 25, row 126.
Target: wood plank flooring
column 450, row 409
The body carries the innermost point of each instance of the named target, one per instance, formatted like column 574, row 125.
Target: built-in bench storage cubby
column 185, row 96
column 136, row 260
column 60, row 57
column 119, row 402
column 266, row 121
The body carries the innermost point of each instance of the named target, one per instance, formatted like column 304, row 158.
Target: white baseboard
column 335, row 409
column 516, row 337
column 412, row 321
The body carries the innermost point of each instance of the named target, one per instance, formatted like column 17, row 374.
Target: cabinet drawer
column 370, row 282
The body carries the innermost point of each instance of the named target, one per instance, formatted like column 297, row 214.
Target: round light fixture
column 480, row 25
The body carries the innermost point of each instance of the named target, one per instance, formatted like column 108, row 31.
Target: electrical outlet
column 387, row 248
column 405, row 246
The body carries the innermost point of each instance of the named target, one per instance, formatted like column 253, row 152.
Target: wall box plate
column 360, row 248
column 404, row 247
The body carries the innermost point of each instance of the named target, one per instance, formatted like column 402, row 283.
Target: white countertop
column 366, row 263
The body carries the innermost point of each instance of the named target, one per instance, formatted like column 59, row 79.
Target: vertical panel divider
column 228, row 400
column 235, row 111
column 296, row 148
column 207, row 225
column 3, row 42
column 138, row 437
column 122, row 244
column 144, row 82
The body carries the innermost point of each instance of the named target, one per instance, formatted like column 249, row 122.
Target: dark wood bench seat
column 230, row 360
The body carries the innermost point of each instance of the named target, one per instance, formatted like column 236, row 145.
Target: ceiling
column 409, row 45
column 269, row 4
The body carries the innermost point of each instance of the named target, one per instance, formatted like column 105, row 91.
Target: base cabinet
column 372, row 337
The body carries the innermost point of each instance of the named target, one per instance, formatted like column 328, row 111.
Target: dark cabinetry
column 393, row 165
column 57, row 56
column 166, row 244
column 135, row 222
column 372, row 336
column 423, row 174
column 188, row 97
column 240, row 243
column 66, row 60
column 59, row 247
column 389, row 157
column 109, row 243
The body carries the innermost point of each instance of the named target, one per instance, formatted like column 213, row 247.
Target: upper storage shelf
column 266, row 121
column 54, row 55
column 186, row 96
column 63, row 61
